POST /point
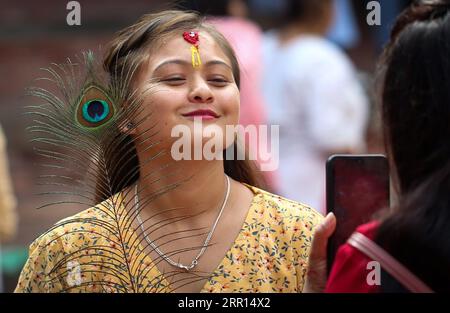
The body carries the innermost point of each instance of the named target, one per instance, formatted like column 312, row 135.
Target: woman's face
column 184, row 95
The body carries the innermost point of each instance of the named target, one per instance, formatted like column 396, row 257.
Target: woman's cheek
column 232, row 110
column 160, row 116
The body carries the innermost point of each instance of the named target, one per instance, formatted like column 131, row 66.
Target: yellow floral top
column 84, row 253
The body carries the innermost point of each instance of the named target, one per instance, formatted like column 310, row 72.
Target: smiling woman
column 163, row 225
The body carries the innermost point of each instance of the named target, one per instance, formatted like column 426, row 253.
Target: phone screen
column 357, row 187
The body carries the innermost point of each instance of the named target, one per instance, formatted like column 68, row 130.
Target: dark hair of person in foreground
column 414, row 80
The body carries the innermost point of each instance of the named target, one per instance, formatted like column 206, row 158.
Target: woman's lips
column 203, row 114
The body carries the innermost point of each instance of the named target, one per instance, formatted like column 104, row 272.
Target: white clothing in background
column 313, row 93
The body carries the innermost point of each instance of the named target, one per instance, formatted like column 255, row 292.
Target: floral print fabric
column 80, row 254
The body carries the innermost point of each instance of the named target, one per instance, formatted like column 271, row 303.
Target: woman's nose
column 200, row 92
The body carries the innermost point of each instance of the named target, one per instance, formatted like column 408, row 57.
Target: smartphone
column 357, row 187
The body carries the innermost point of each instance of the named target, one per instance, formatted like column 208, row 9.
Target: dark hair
column 304, row 10
column 207, row 7
column 415, row 71
column 130, row 48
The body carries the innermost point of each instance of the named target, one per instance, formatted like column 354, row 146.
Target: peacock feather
column 81, row 128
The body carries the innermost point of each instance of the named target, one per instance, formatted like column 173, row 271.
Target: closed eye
column 219, row 81
column 174, row 80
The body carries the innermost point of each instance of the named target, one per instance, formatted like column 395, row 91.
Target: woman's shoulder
column 319, row 52
column 78, row 239
column 87, row 225
column 290, row 209
column 284, row 225
column 369, row 229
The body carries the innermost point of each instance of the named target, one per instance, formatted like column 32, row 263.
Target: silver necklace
column 205, row 245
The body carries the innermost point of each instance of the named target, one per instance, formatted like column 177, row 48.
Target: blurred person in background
column 344, row 31
column 313, row 93
column 8, row 218
column 245, row 36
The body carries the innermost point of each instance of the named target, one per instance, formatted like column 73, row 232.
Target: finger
column 321, row 235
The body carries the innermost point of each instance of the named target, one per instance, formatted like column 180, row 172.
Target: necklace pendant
column 188, row 267
column 185, row 267
column 165, row 257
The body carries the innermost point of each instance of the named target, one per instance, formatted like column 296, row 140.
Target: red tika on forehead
column 191, row 37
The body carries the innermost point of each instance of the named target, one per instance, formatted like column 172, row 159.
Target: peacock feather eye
column 95, row 111
column 95, row 107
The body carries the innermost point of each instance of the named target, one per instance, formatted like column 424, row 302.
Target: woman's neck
column 195, row 187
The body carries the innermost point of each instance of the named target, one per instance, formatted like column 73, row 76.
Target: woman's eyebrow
column 184, row 62
column 217, row 62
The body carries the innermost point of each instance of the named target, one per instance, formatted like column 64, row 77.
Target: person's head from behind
column 173, row 87
column 416, row 110
column 415, row 92
column 219, row 8
column 309, row 14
